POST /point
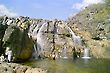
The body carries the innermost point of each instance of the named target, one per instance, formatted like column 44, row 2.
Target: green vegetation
column 93, row 24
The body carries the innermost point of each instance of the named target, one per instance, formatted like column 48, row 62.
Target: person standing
column 8, row 54
column 2, row 59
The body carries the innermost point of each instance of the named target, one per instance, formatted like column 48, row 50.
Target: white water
column 64, row 53
column 33, row 31
column 40, row 39
column 75, row 38
column 35, row 54
column 77, row 41
column 86, row 54
column 37, row 35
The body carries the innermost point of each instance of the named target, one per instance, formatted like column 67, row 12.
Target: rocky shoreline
column 17, row 68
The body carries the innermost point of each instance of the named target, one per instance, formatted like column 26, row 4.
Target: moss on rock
column 19, row 42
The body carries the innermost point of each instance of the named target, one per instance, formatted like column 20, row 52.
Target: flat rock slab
column 17, row 68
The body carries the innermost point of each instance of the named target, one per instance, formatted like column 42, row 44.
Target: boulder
column 19, row 42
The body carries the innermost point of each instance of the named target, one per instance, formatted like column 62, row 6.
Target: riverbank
column 17, row 68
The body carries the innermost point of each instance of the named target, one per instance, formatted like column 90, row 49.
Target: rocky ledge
column 17, row 68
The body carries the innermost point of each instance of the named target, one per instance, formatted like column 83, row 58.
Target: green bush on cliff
column 2, row 32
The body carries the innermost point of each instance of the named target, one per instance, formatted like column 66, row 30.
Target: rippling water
column 72, row 66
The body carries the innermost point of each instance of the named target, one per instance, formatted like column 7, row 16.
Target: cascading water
column 35, row 53
column 86, row 54
column 64, row 53
column 36, row 31
column 76, row 39
column 41, row 39
column 33, row 30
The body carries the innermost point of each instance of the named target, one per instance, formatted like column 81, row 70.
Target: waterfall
column 35, row 49
column 76, row 39
column 64, row 56
column 86, row 54
column 35, row 54
column 40, row 39
column 36, row 31
column 39, row 34
column 33, row 30
column 73, row 34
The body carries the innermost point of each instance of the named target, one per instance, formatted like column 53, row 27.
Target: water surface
column 72, row 66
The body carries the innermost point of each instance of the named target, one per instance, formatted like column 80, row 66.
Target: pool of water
column 72, row 66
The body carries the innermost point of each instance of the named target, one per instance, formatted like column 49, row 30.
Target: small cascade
column 35, row 49
column 40, row 39
column 33, row 30
column 35, row 53
column 75, row 38
column 86, row 54
column 73, row 34
column 64, row 53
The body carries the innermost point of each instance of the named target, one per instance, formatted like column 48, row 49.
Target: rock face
column 51, row 37
column 19, row 42
column 93, row 24
column 3, row 27
column 17, row 68
column 94, row 19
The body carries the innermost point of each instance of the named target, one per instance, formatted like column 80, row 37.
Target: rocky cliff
column 93, row 24
column 90, row 28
